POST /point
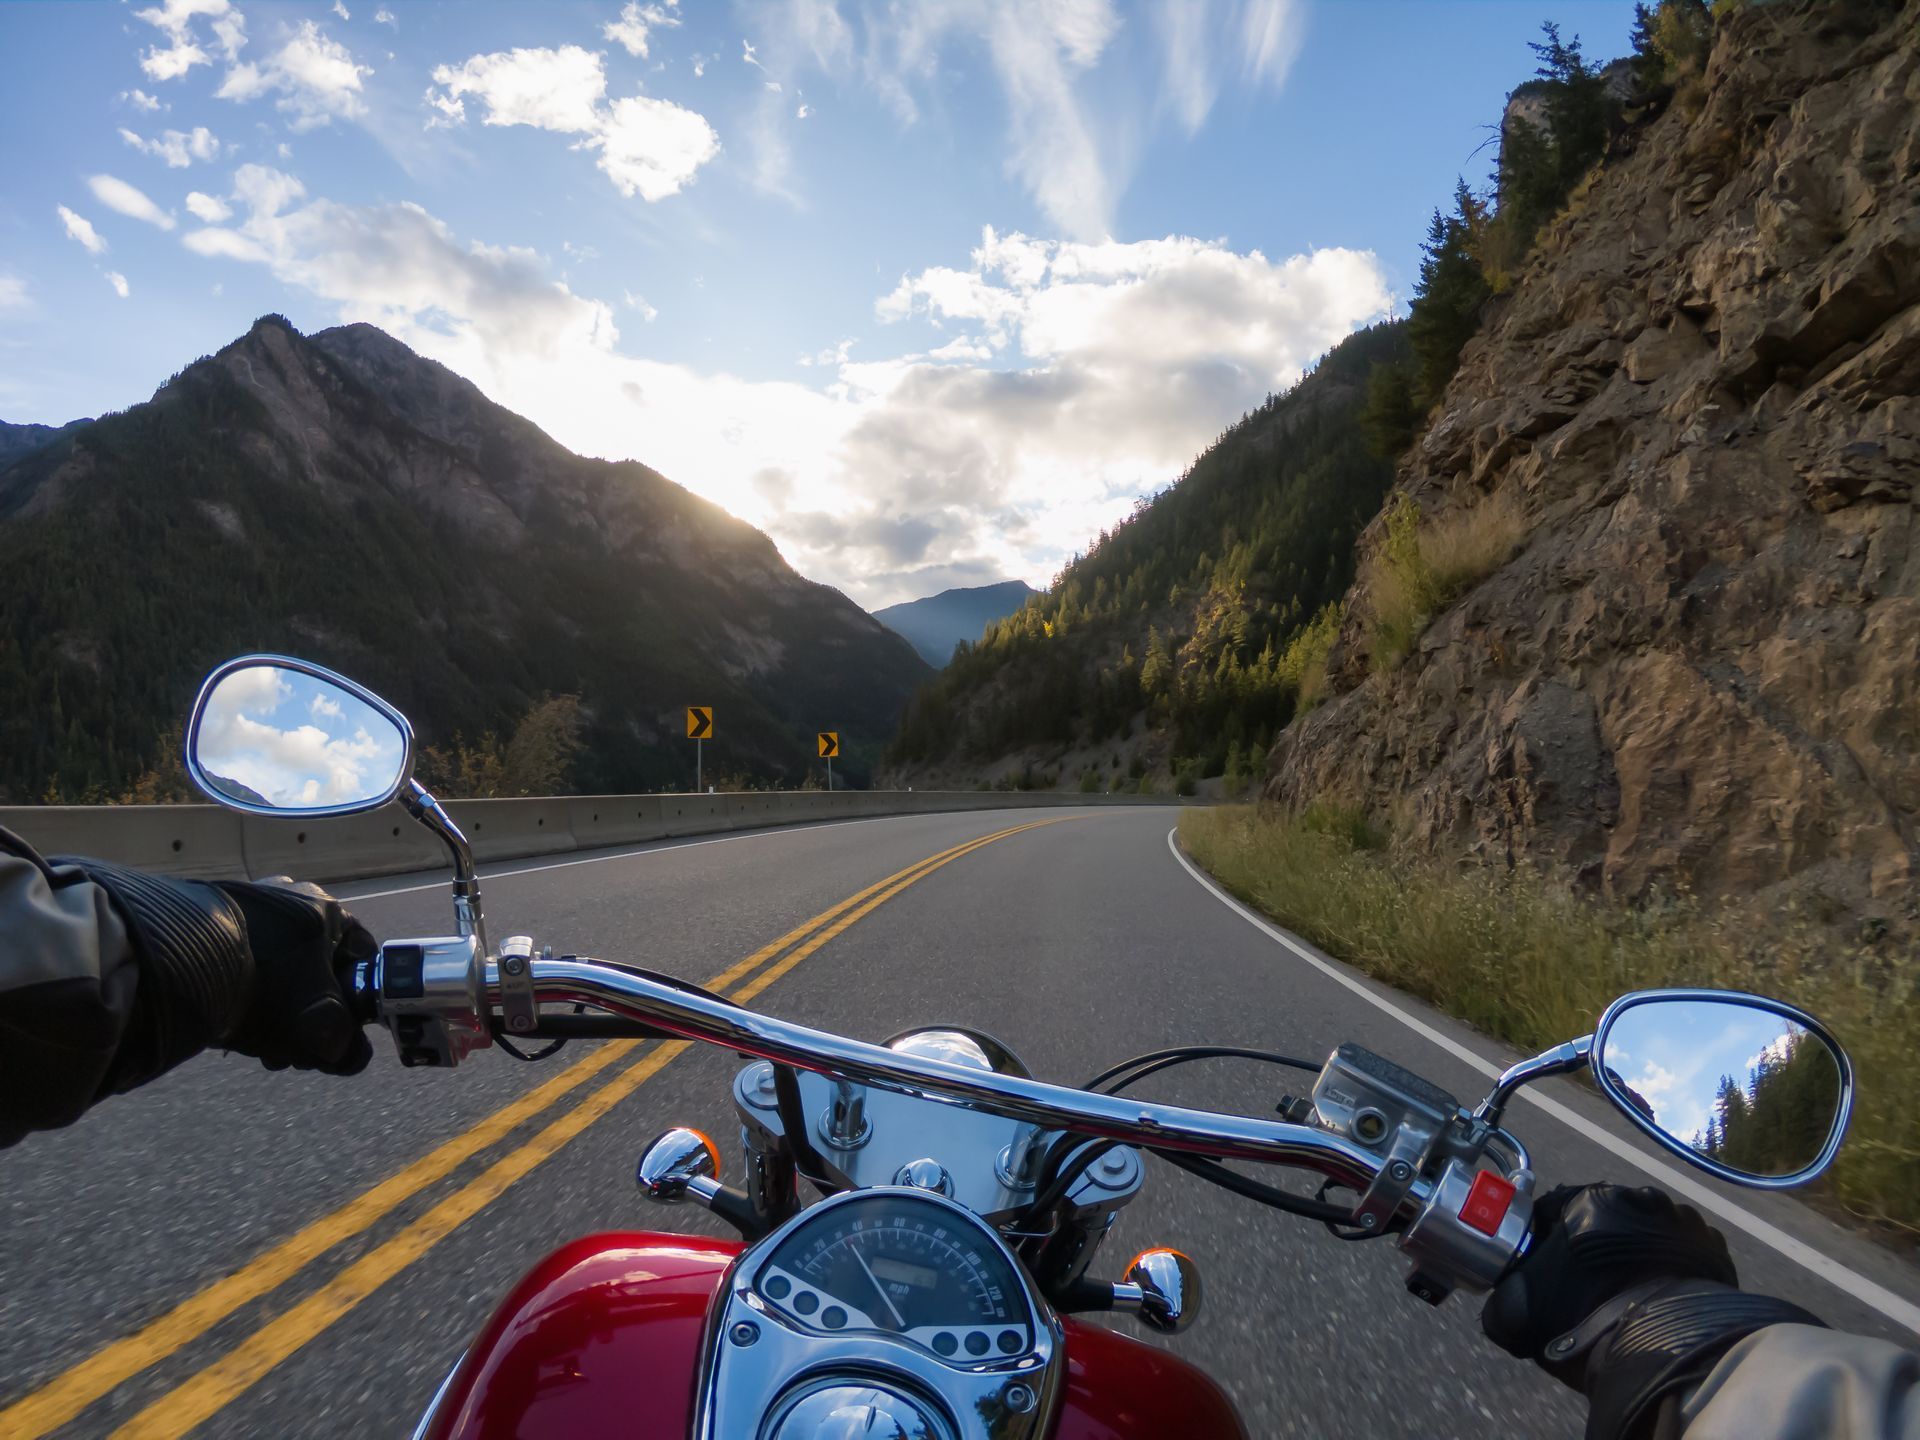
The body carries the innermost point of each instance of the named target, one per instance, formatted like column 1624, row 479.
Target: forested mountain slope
column 1181, row 640
column 1696, row 408
column 937, row 623
column 339, row 497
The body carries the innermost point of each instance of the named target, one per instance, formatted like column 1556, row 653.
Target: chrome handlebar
column 443, row 998
column 692, row 1016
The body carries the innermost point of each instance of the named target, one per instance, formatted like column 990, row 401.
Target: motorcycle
column 933, row 1287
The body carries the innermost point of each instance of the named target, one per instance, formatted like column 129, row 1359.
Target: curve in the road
column 187, row 1405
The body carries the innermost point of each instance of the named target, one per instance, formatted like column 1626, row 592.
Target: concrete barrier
column 210, row 842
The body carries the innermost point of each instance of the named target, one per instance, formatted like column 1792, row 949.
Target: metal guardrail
column 207, row 841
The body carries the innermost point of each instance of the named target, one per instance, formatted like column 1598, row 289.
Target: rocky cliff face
column 1703, row 666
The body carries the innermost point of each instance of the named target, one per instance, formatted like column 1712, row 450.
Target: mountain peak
column 341, row 497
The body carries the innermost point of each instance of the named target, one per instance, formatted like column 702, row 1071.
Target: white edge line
column 1850, row 1282
column 649, row 848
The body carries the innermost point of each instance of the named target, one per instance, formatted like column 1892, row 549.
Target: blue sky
column 929, row 291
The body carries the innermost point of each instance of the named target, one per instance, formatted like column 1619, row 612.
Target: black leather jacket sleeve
column 69, row 977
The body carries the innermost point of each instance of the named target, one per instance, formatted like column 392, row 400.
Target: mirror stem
column 1558, row 1061
column 469, row 919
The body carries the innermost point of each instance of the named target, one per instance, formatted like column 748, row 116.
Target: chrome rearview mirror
column 1747, row 1088
column 271, row 735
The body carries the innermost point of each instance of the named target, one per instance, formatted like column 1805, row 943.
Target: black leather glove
column 1627, row 1297
column 304, row 945
column 255, row 968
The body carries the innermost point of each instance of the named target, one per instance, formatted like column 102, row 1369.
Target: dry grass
column 1418, row 571
column 1527, row 961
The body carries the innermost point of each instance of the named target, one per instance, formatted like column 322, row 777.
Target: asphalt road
column 299, row 1256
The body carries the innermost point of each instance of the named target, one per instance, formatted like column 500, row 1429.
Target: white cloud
column 803, row 112
column 647, row 147
column 632, row 29
column 81, row 229
column 384, row 16
column 638, row 304
column 13, row 292
column 175, row 21
column 653, row 147
column 1077, row 377
column 323, row 704
column 119, row 283
column 316, row 77
column 140, row 100
column 549, row 89
column 179, row 149
column 118, row 195
column 341, row 10
column 208, row 208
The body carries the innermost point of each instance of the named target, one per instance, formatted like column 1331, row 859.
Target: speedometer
column 902, row 1264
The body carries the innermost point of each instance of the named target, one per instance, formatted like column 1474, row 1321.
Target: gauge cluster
column 893, row 1302
column 900, row 1264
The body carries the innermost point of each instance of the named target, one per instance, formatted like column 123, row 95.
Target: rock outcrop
column 1702, row 669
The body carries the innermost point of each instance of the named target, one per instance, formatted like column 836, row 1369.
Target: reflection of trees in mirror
column 1777, row 1122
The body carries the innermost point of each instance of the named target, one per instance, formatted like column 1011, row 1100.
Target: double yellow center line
column 181, row 1409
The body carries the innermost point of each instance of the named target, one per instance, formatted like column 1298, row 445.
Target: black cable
column 1127, row 1072
column 1057, row 1179
column 517, row 1053
column 1253, row 1190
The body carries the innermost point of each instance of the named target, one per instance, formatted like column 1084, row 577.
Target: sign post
column 699, row 727
column 829, row 747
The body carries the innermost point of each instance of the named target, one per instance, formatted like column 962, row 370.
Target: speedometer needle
column 879, row 1289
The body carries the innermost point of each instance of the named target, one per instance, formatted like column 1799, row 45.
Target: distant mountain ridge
column 937, row 623
column 19, row 440
column 340, row 497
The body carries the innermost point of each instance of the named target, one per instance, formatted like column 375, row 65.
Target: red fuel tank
column 603, row 1338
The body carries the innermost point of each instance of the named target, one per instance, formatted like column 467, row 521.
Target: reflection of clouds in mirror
column 1684, row 1059
column 295, row 741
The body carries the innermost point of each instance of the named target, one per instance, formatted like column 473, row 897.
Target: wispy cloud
column 633, row 30
column 177, row 21
column 646, row 146
column 81, row 230
column 117, row 194
column 316, row 78
column 177, row 148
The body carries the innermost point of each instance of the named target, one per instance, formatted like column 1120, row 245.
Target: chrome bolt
column 1561, row 1346
column 520, row 1022
column 1018, row 1398
column 745, row 1333
column 1367, row 1222
column 1400, row 1170
column 761, row 1091
column 514, row 965
column 1114, row 1164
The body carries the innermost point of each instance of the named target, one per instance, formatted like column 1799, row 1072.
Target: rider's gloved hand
column 256, row 968
column 1627, row 1297
column 304, row 945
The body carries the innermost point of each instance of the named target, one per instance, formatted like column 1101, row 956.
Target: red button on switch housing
column 1487, row 1202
